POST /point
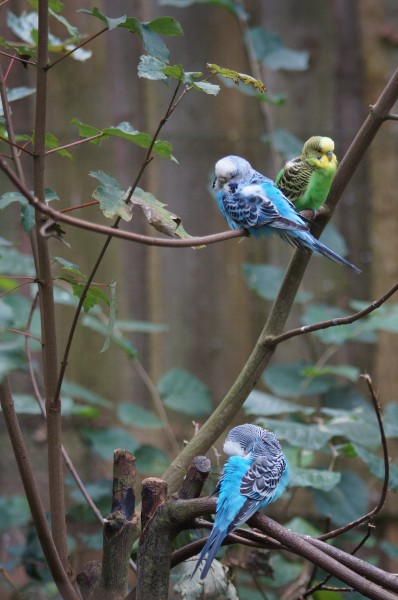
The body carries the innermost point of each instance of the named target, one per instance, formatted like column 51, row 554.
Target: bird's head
column 231, row 170
column 319, row 151
column 242, row 439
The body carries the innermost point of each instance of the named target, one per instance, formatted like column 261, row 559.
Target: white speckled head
column 231, row 168
column 241, row 439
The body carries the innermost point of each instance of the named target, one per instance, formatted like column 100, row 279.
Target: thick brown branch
column 195, row 478
column 57, row 216
column 120, row 528
column 33, row 497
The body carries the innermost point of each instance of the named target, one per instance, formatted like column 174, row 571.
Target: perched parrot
column 249, row 200
column 306, row 179
column 255, row 475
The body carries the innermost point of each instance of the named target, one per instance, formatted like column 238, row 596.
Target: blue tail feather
column 211, row 548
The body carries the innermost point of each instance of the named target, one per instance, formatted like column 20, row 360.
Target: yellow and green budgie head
column 306, row 179
column 319, row 151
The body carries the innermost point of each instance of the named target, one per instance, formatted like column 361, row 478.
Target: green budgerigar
column 306, row 179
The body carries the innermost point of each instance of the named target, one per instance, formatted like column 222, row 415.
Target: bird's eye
column 214, row 183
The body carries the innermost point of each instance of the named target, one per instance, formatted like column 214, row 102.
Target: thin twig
column 47, row 305
column 76, row 143
column 16, row 57
column 321, row 325
column 14, row 145
column 88, row 40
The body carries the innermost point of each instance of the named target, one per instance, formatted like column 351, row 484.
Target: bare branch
column 33, row 496
column 87, row 41
column 57, row 216
column 272, row 342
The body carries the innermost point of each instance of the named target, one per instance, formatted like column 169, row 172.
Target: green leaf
column 79, row 392
column 24, row 26
column 70, row 267
column 318, row 479
column 93, row 296
column 151, row 460
column 262, row 404
column 73, row 31
column 153, row 44
column 289, row 380
column 356, row 427
column 116, row 337
column 302, row 527
column 347, row 371
column 87, row 131
column 346, row 502
column 130, row 414
column 157, row 215
column 105, row 441
column 207, row 88
column 376, row 466
column 269, row 49
column 265, row 281
column 338, row 335
column 151, row 67
column 111, row 197
column 310, row 437
column 166, row 26
column 110, row 23
column 14, row 512
column 174, row 71
column 237, row 77
column 52, row 143
column 184, row 393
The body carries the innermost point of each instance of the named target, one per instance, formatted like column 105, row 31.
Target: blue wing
column 252, row 207
column 263, row 483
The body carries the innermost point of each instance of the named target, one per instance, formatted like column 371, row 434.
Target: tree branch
column 120, row 528
column 58, row 216
column 272, row 342
column 33, row 496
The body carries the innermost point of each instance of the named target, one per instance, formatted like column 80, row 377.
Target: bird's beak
column 214, row 183
column 329, row 155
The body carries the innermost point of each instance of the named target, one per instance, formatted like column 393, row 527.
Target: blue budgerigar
column 249, row 200
column 255, row 475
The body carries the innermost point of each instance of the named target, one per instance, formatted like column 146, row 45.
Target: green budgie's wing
column 293, row 179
